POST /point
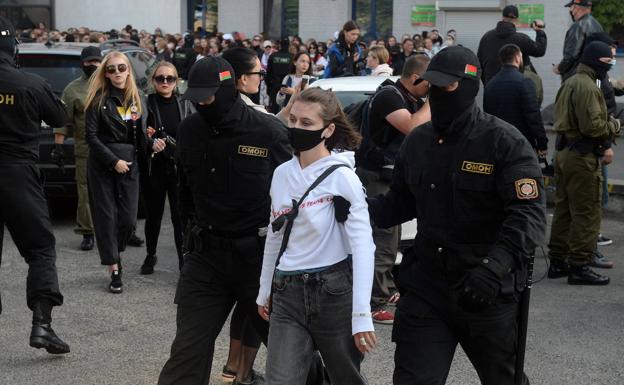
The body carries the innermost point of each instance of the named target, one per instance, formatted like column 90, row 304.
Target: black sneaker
column 600, row 261
column 604, row 241
column 148, row 264
column 583, row 275
column 87, row 242
column 558, row 269
column 116, row 286
column 135, row 241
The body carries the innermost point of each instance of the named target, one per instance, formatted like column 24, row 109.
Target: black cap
column 510, row 11
column 90, row 53
column 206, row 76
column 582, row 3
column 603, row 37
column 452, row 64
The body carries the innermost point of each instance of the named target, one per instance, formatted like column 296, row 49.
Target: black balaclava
column 591, row 57
column 8, row 43
column 447, row 106
column 89, row 70
column 225, row 97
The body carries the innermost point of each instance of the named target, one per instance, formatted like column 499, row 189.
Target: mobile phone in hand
column 304, row 83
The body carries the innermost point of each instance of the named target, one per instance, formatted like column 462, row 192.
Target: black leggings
column 242, row 329
column 162, row 182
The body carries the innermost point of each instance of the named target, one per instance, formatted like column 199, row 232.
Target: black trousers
column 24, row 211
column 157, row 186
column 242, row 329
column 222, row 272
column 426, row 338
column 114, row 202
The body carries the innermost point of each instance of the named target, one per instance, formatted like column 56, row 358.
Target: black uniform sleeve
column 521, row 188
column 185, row 196
column 532, row 114
column 99, row 150
column 51, row 108
column 280, row 150
column 398, row 205
column 535, row 48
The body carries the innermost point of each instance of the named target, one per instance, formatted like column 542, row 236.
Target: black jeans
column 426, row 338
column 114, row 202
column 24, row 211
column 160, row 183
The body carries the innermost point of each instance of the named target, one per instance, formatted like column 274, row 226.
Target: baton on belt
column 523, row 322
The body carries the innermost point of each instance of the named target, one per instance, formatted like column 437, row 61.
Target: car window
column 347, row 98
column 59, row 70
column 143, row 64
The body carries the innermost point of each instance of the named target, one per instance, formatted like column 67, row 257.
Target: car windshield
column 59, row 70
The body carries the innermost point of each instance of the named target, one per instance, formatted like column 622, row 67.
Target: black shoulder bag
column 289, row 219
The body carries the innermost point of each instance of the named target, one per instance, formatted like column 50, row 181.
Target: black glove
column 478, row 289
column 58, row 155
column 341, row 208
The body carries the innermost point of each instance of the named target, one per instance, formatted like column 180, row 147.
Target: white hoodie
column 317, row 239
column 382, row 70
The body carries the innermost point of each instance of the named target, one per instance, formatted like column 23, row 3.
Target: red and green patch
column 471, row 70
column 225, row 75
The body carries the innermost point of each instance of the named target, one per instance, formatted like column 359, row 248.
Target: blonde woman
column 377, row 61
column 116, row 136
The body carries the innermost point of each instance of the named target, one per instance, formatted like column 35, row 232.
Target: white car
column 352, row 89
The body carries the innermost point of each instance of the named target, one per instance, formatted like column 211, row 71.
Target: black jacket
column 25, row 101
column 505, row 33
column 512, row 97
column 574, row 44
column 225, row 170
column 478, row 196
column 104, row 128
column 277, row 67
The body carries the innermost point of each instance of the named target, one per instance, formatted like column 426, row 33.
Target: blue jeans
column 313, row 311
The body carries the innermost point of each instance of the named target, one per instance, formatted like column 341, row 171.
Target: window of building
column 281, row 17
column 204, row 15
column 374, row 17
column 27, row 14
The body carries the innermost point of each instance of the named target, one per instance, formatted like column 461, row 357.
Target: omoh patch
column 526, row 188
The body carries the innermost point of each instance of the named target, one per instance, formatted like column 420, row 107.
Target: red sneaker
column 383, row 317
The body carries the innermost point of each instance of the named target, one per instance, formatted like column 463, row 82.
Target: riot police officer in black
column 25, row 101
column 474, row 184
column 226, row 154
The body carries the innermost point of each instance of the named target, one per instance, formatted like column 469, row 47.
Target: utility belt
column 581, row 145
column 199, row 239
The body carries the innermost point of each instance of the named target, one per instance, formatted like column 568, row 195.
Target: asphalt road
column 576, row 334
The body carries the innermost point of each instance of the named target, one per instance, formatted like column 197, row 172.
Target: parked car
column 59, row 64
column 353, row 89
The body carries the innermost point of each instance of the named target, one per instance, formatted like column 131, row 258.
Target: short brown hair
column 345, row 137
column 381, row 52
column 415, row 64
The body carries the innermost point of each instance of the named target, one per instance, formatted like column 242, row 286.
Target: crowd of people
column 271, row 217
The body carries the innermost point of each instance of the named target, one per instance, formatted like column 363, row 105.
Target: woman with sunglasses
column 166, row 111
column 115, row 121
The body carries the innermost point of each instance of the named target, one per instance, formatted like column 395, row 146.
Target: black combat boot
column 148, row 264
column 583, row 275
column 558, row 269
column 42, row 335
column 87, row 242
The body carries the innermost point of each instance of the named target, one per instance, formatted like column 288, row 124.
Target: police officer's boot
column 148, row 264
column 583, row 275
column 558, row 269
column 42, row 335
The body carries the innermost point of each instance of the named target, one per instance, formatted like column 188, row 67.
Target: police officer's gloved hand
column 341, row 207
column 58, row 155
column 478, row 289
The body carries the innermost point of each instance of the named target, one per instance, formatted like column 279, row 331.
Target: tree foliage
column 610, row 13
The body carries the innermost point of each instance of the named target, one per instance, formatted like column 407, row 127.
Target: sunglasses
column 262, row 74
column 111, row 69
column 418, row 81
column 161, row 79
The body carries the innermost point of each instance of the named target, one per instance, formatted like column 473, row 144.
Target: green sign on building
column 424, row 15
column 529, row 13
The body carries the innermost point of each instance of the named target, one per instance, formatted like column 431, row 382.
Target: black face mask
column 591, row 57
column 304, row 140
column 224, row 100
column 89, row 70
column 447, row 106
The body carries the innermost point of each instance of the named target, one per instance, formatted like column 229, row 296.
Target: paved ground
column 576, row 334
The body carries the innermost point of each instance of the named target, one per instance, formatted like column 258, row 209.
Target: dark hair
column 348, row 26
column 293, row 69
column 416, row 64
column 243, row 60
column 345, row 137
column 507, row 53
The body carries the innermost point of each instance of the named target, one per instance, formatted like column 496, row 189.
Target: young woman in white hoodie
column 377, row 61
column 322, row 284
